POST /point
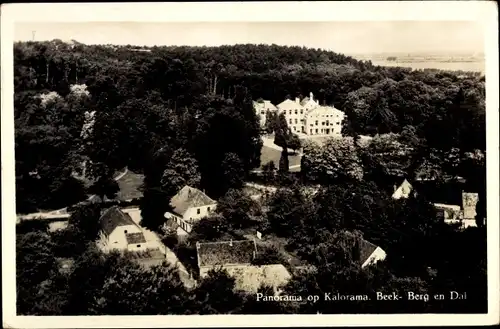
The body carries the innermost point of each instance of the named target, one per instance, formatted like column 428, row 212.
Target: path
column 63, row 212
column 154, row 240
column 262, row 187
column 269, row 142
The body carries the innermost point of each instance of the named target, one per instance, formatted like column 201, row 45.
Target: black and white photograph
column 244, row 167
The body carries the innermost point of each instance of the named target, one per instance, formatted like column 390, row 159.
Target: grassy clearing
column 269, row 154
column 130, row 185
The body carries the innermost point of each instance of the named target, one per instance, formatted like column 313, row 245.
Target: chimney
column 231, row 243
column 311, row 96
column 254, row 254
column 297, row 100
column 395, row 187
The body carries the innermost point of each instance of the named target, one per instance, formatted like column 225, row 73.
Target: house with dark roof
column 189, row 205
column 369, row 253
column 236, row 258
column 118, row 231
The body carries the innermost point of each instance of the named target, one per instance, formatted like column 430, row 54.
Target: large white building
column 305, row 116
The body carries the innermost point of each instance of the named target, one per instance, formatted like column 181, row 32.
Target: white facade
column 324, row 120
column 194, row 214
column 261, row 109
column 469, row 202
column 191, row 216
column 306, row 117
column 378, row 255
column 294, row 113
column 118, row 240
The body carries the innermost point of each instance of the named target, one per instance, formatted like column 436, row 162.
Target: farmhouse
column 305, row 116
column 236, row 258
column 189, row 205
column 120, row 232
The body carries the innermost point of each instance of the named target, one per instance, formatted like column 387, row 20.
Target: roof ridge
column 226, row 241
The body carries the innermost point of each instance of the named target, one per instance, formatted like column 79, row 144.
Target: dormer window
column 125, row 231
column 198, row 211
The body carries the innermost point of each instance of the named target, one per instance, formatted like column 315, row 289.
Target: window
column 338, row 123
column 316, row 130
column 296, row 111
column 327, row 122
column 301, row 111
column 322, row 123
column 290, row 111
column 138, row 246
column 262, row 112
column 290, row 120
column 208, row 208
column 311, row 131
column 296, row 121
column 316, row 123
column 198, row 211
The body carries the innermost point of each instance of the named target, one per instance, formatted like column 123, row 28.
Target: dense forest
column 184, row 115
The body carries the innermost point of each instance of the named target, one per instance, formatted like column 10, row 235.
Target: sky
column 342, row 36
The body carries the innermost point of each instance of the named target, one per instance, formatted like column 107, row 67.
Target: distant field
column 269, row 154
column 449, row 66
column 130, row 186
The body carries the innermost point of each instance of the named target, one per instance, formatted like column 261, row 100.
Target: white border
column 482, row 11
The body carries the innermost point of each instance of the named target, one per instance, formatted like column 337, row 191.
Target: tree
column 288, row 209
column 209, row 228
column 294, row 142
column 284, row 164
column 269, row 171
column 268, row 256
column 237, row 208
column 271, row 122
column 216, row 295
column 233, row 171
column 85, row 220
column 105, row 186
column 130, row 289
column 337, row 159
column 35, row 263
column 181, row 170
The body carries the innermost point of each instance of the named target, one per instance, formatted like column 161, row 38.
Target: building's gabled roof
column 288, row 103
column 250, row 278
column 226, row 252
column 189, row 197
column 133, row 238
column 366, row 249
column 269, row 105
column 112, row 218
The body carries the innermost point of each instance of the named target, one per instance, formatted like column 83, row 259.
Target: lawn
column 269, row 154
column 130, row 186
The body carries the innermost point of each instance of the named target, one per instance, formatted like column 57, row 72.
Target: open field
column 130, row 186
column 269, row 154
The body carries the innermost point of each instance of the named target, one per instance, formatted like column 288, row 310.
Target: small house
column 236, row 258
column 369, row 253
column 118, row 231
column 403, row 190
column 189, row 205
